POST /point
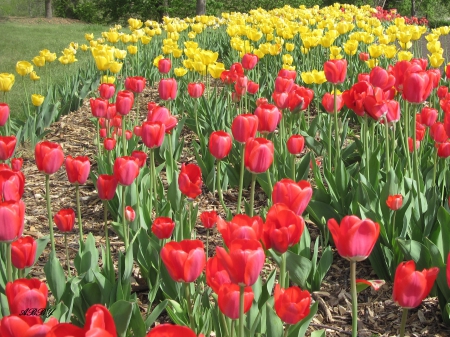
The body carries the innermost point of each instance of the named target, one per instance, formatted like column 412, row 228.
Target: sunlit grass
column 22, row 42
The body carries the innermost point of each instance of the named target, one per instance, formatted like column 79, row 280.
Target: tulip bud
column 130, row 214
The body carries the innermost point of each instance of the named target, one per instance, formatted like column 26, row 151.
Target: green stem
column 219, row 189
column 386, row 142
column 286, row 330
column 124, row 139
column 9, row 262
column 415, row 156
column 207, row 243
column 407, row 122
column 67, row 254
column 224, row 322
column 252, row 193
column 189, row 307
column 283, row 271
column 233, row 323
column 293, row 166
column 152, row 181
column 241, row 310
column 330, row 159
column 98, row 138
column 196, row 118
column 366, row 145
column 403, row 323
column 105, row 218
column 80, row 223
column 241, row 179
column 354, row 299
column 434, row 168
column 49, row 211
column 124, row 221
column 336, row 129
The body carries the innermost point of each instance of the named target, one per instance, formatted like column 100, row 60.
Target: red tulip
column 244, row 127
column 109, row 144
column 23, row 252
column 25, row 326
column 335, row 71
column 216, row 274
column 399, row 70
column 258, row 155
column 99, row 323
column 282, row 229
column 228, row 299
column 130, row 214
column 292, row 74
column 294, row 195
column 162, row 115
column 24, row 294
column 220, row 144
column 140, row 156
column 137, row 130
column 437, row 132
column 363, row 77
column 354, row 238
column 380, row 78
column 111, row 112
column 420, row 131
column 208, row 219
column 107, row 90
column 428, row 116
column 7, row 146
column 252, row 87
column 410, row 144
column 190, row 180
column 243, row 261
column 375, row 105
column 106, row 186
column 241, row 85
column 393, row 111
column 102, row 133
column 355, row 97
column 411, row 286
column 126, row 169
column 11, row 184
column 49, row 157
column 169, row 330
column 435, row 76
column 65, row 219
column 364, row 56
column 236, row 71
column 167, row 89
column 16, row 164
column 124, row 102
column 249, row 61
column 12, row 216
column 152, row 134
column 164, row 66
column 268, row 117
column 394, row 202
column 442, row 91
column 163, row 227
column 184, row 260
column 261, row 100
column 77, row 169
column 328, row 102
column 99, row 107
column 196, row 90
column 417, row 86
column 443, row 150
column 4, row 113
column 299, row 98
column 291, row 304
column 281, row 99
column 240, row 227
column 283, row 84
column 295, row 144
column 135, row 84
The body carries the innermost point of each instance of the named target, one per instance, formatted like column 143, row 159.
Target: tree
column 201, row 7
column 48, row 9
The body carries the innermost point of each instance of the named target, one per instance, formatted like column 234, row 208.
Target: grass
column 22, row 42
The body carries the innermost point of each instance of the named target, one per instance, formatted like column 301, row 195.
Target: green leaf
column 299, row 329
column 297, row 266
column 274, row 323
column 416, row 251
column 156, row 313
column 122, row 312
column 55, row 277
column 318, row 333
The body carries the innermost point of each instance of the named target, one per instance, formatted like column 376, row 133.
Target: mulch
column 379, row 315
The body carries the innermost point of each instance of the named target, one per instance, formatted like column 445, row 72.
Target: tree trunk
column 413, row 7
column 165, row 7
column 48, row 9
column 201, row 7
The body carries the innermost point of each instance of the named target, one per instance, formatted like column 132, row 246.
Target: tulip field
column 271, row 173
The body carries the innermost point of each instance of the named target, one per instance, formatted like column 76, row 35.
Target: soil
column 378, row 314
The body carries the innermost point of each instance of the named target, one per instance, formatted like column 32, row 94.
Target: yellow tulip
column 199, row 67
column 108, row 79
column 371, row 63
column 134, row 23
column 444, row 30
column 50, row 57
column 434, row 46
column 327, row 40
column 287, row 59
column 192, row 35
column 436, row 60
column 37, row 100
column 89, row 37
column 375, row 50
column 384, row 39
column 336, row 57
column 177, row 53
column 73, row 45
column 93, row 43
column 319, row 76
column 125, row 38
column 406, row 45
column 191, row 44
column 120, row 54
column 351, row 47
column 289, row 46
column 39, row 61
column 275, row 49
column 288, row 67
column 335, row 51
column 404, row 36
column 115, row 67
column 216, row 69
column 390, row 51
column 145, row 39
column 189, row 64
column 24, row 68
column 6, row 81
column 112, row 37
column 84, row 47
column 179, row 72
column 307, row 77
column 254, row 34
column 208, row 57
column 34, row 76
column 404, row 55
column 157, row 59
column 304, row 50
column 197, row 28
column 168, row 49
column 132, row 49
column 259, row 53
